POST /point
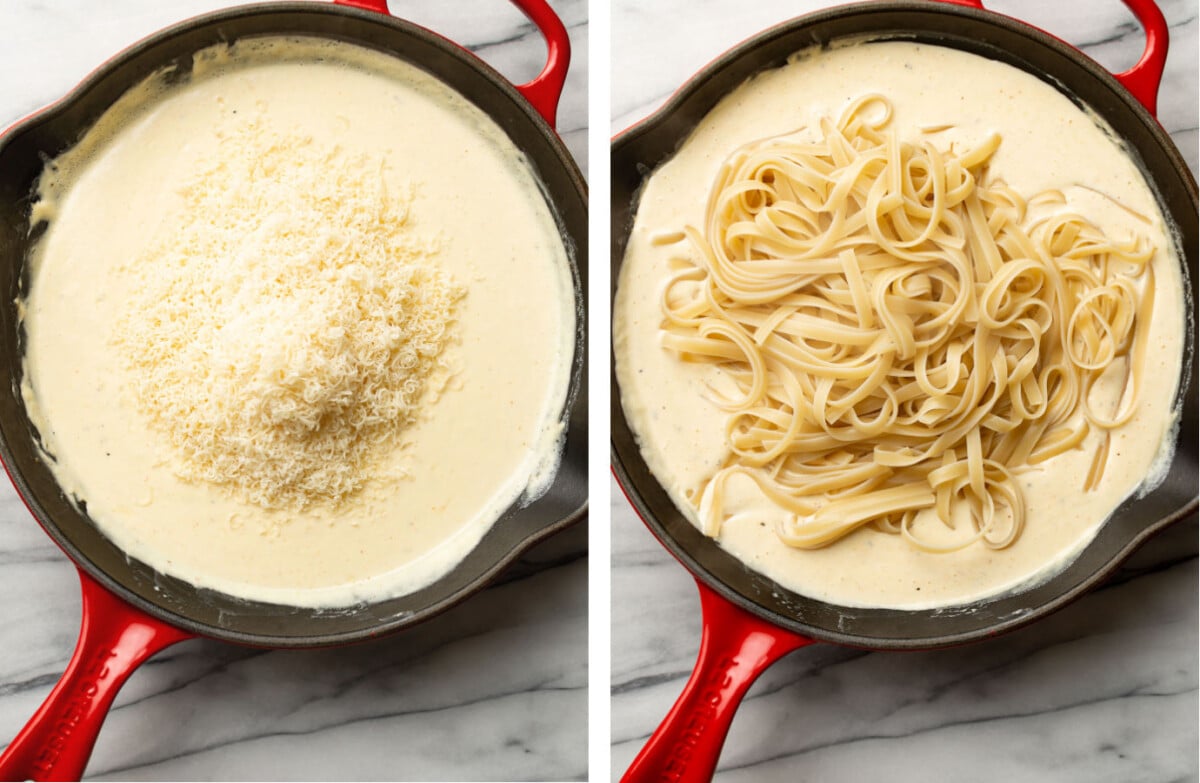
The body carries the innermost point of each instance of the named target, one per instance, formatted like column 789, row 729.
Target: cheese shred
column 289, row 322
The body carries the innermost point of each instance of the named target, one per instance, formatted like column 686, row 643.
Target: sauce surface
column 1048, row 143
column 490, row 437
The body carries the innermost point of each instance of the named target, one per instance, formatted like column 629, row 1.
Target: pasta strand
column 905, row 332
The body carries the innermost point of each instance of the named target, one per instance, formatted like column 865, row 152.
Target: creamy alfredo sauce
column 493, row 434
column 1047, row 143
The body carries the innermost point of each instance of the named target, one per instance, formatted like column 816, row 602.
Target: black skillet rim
column 371, row 623
column 764, row 597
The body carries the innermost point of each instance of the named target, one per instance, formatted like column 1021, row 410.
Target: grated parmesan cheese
column 289, row 323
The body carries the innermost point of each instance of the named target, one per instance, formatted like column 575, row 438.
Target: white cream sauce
column 1048, row 143
column 492, row 435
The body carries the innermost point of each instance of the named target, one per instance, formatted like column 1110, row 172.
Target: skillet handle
column 545, row 90
column 113, row 639
column 1144, row 78
column 735, row 647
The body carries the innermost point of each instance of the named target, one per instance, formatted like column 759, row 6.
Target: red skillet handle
column 113, row 639
column 735, row 647
column 1144, row 78
column 546, row 88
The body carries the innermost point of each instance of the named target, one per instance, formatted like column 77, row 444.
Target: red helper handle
column 735, row 647
column 1144, row 78
column 114, row 638
column 544, row 91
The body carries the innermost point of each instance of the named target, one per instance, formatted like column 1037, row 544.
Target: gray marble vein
column 1105, row 690
column 495, row 689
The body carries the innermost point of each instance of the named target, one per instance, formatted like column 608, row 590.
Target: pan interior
column 22, row 154
column 645, row 146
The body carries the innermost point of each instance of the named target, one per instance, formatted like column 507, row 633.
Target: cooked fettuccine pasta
column 904, row 331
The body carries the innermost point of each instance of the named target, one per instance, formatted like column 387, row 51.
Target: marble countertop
column 495, row 689
column 1105, row 690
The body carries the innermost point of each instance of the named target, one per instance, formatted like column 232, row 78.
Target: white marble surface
column 496, row 689
column 1105, row 690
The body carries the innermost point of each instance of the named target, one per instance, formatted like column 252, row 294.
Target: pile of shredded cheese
column 289, row 323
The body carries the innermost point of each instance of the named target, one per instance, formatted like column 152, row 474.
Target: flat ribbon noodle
column 904, row 335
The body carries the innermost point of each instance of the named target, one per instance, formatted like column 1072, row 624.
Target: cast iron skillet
column 130, row 611
column 749, row 620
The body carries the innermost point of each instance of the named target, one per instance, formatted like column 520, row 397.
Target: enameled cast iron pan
column 130, row 611
column 749, row 620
